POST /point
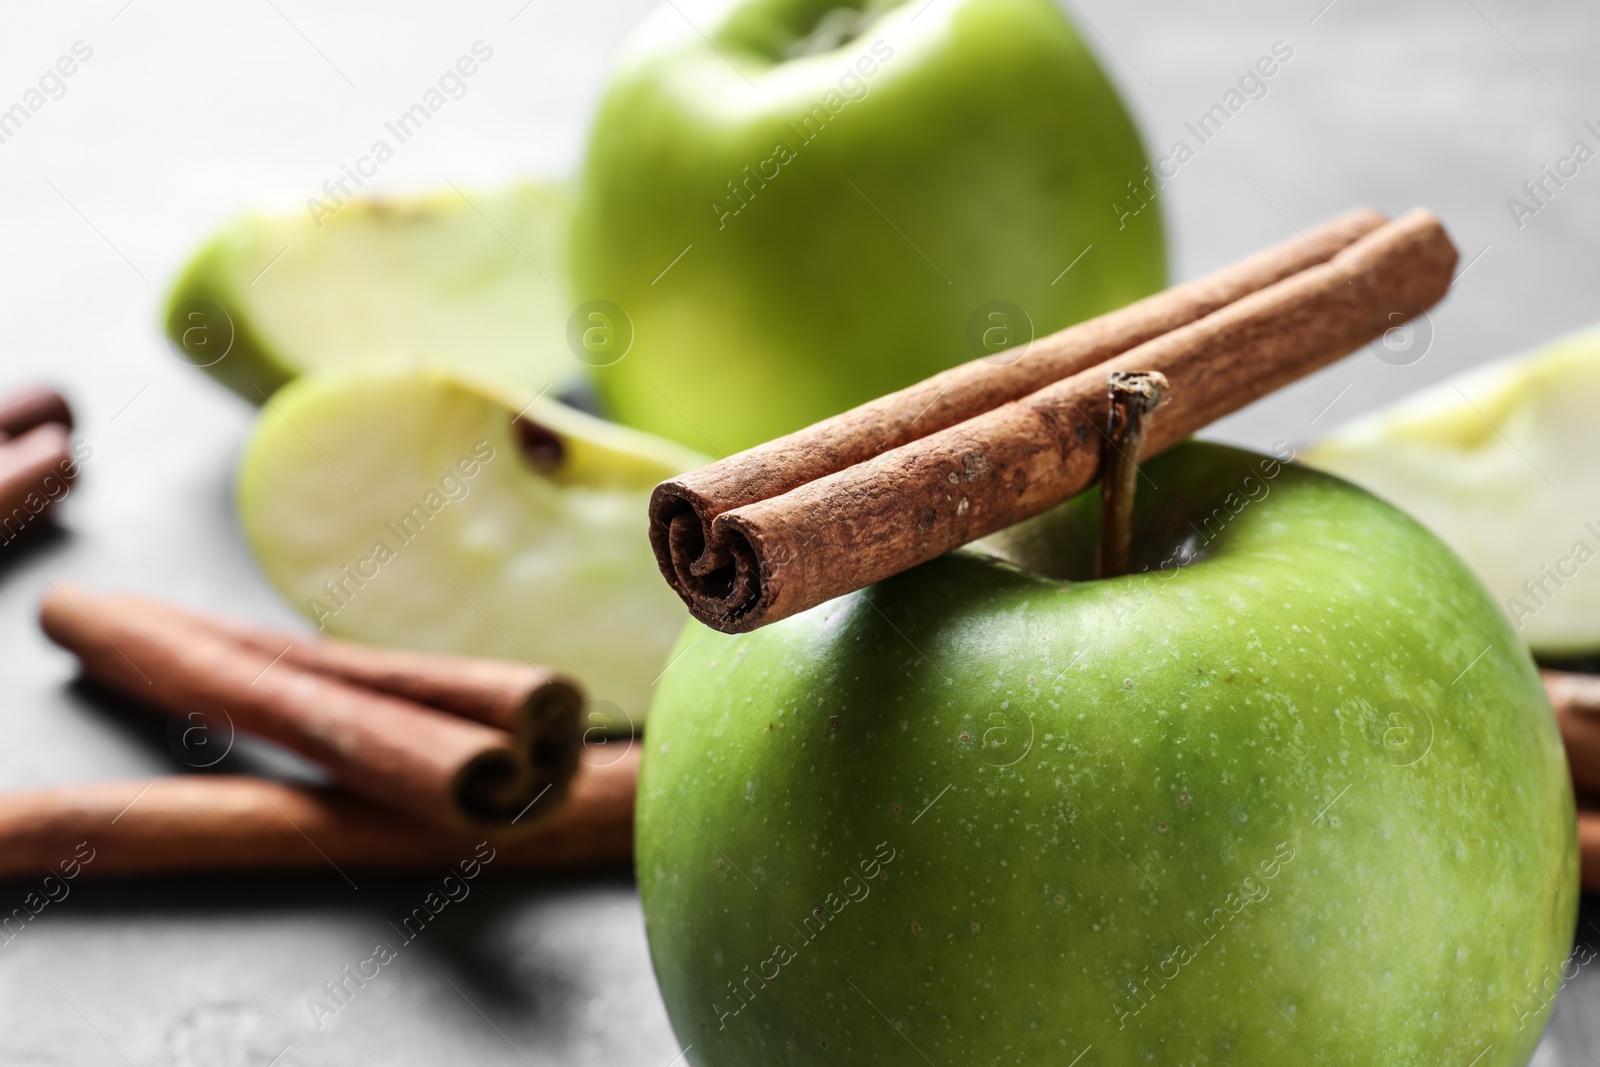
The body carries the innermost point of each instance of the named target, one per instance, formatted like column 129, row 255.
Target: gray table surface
column 188, row 111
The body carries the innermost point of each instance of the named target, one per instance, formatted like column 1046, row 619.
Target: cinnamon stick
column 958, row 394
column 439, row 767
column 1574, row 691
column 33, row 405
column 536, row 706
column 36, row 470
column 36, row 462
column 683, row 510
column 190, row 823
column 1576, row 700
column 740, row 564
column 1589, row 850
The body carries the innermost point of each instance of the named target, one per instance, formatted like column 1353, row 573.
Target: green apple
column 1290, row 794
column 793, row 207
column 417, row 509
column 1501, row 466
column 474, row 280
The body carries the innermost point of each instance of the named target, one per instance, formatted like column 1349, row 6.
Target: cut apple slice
column 470, row 280
column 420, row 509
column 1501, row 465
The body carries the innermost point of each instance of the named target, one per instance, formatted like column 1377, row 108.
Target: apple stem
column 1133, row 397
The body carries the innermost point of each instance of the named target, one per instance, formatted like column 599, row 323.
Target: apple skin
column 982, row 160
column 1069, row 778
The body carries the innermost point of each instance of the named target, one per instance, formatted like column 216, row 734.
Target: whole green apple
column 1290, row 794
column 789, row 207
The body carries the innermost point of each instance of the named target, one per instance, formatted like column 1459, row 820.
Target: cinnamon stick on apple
column 191, row 823
column 958, row 394
column 438, row 766
column 757, row 537
column 694, row 556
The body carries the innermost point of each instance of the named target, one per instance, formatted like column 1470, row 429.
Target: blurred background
column 188, row 112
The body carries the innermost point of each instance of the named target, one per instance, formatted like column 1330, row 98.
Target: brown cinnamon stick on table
column 32, row 405
column 36, row 462
column 744, row 545
column 1576, row 700
column 535, row 706
column 1589, row 850
column 440, row 767
column 36, row 470
column 188, row 823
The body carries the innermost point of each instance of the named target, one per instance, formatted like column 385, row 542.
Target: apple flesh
column 1292, row 794
column 800, row 206
column 472, row 280
column 1501, row 466
column 418, row 509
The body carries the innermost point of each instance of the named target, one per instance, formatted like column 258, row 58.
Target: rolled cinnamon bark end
column 443, row 769
column 198, row 823
column 34, row 405
column 716, row 580
column 541, row 710
column 720, row 577
column 767, row 560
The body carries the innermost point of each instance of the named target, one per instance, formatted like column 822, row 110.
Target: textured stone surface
column 186, row 111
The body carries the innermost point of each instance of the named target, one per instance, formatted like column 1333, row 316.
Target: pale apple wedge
column 417, row 509
column 1501, row 465
column 466, row 279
